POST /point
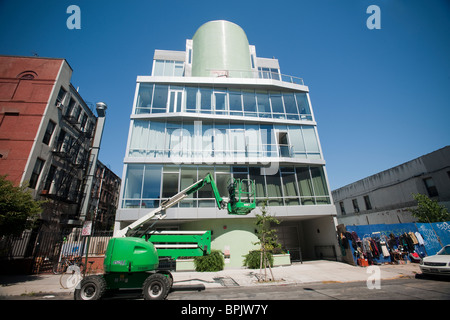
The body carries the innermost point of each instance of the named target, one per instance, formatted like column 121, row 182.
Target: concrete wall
column 390, row 192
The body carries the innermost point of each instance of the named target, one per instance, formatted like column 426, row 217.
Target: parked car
column 437, row 264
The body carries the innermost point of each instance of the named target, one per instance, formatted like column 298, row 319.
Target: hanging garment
column 419, row 238
column 413, row 237
column 375, row 252
column 384, row 249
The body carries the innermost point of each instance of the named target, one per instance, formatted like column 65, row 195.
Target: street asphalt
column 319, row 271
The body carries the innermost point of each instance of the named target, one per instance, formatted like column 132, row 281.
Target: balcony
column 258, row 74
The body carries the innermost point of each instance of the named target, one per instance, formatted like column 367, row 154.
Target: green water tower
column 220, row 48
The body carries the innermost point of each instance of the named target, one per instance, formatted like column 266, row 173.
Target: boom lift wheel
column 156, row 287
column 91, row 288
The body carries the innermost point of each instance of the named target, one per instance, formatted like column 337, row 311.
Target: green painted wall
column 238, row 236
column 220, row 45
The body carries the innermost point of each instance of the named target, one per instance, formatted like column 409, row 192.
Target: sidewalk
column 311, row 271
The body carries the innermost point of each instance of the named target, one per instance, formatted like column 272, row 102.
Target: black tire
column 156, row 287
column 91, row 288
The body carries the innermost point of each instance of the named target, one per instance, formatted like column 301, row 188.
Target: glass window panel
column 133, row 181
column 289, row 103
column 220, row 102
column 159, row 68
column 187, row 142
column 249, row 103
column 179, row 69
column 156, row 139
column 169, row 68
column 310, row 138
column 277, row 105
column 139, row 138
column 237, row 140
column 173, row 146
column 289, row 185
column 220, row 142
column 191, row 99
column 207, row 141
column 268, row 142
column 263, row 104
column 296, row 140
column 305, row 185
column 319, row 183
column 274, row 185
column 144, row 99
column 260, row 184
column 152, row 182
column 253, row 140
column 160, row 98
column 170, row 184
column 235, row 103
column 205, row 101
column 303, row 106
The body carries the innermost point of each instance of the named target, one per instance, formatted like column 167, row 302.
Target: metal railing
column 44, row 249
column 258, row 74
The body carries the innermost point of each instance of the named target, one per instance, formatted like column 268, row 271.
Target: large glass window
column 139, row 138
column 133, row 186
column 263, row 104
column 311, row 143
column 235, row 103
column 249, row 100
column 219, row 140
column 290, row 106
column 170, row 182
column 156, row 139
column 205, row 100
column 305, row 186
column 277, row 105
column 274, row 189
column 191, row 99
column 220, row 100
column 146, row 185
column 260, row 184
column 303, row 106
column 160, row 99
column 151, row 186
column 289, row 186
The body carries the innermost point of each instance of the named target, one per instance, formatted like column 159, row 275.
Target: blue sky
column 380, row 97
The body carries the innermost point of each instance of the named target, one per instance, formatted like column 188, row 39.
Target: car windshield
column 445, row 251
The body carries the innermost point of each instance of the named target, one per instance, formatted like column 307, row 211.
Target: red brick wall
column 22, row 105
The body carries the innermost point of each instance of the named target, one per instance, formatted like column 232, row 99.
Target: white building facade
column 218, row 108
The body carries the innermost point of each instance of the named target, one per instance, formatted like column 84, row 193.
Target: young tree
column 18, row 209
column 267, row 238
column 429, row 210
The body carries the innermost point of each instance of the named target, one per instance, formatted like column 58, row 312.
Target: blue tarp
column 429, row 232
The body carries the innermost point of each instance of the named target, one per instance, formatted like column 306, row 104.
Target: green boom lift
column 133, row 255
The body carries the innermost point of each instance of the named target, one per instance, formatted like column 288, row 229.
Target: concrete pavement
column 297, row 273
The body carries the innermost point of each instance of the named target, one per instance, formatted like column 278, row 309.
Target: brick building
column 46, row 131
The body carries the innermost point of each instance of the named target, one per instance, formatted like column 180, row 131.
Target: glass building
column 218, row 108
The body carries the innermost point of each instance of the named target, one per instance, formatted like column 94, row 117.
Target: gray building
column 386, row 196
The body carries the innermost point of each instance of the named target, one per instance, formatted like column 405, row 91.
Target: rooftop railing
column 259, row 74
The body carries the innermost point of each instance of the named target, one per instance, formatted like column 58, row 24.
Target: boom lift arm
column 235, row 204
